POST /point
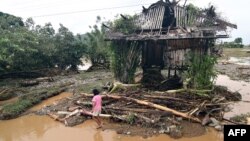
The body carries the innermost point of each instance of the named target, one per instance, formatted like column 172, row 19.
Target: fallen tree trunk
column 184, row 115
column 188, row 90
column 164, row 97
column 146, row 119
column 3, row 91
column 22, row 74
column 29, row 83
column 228, row 120
column 82, row 111
column 119, row 85
column 45, row 79
column 132, row 109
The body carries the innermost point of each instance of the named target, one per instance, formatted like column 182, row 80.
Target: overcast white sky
column 236, row 11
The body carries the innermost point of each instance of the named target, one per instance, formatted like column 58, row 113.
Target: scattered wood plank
column 231, row 121
column 197, row 108
column 132, row 109
column 55, row 117
column 164, row 97
column 119, row 85
column 44, row 79
column 146, row 119
column 29, row 83
column 81, row 111
column 218, row 104
column 184, row 115
column 3, row 91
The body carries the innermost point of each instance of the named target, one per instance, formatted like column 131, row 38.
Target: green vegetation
column 235, row 52
column 125, row 54
column 131, row 119
column 241, row 118
column 25, row 46
column 237, row 43
column 7, row 94
column 94, row 79
column 98, row 51
column 26, row 101
column 200, row 71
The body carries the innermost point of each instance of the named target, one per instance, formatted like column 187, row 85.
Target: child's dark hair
column 95, row 92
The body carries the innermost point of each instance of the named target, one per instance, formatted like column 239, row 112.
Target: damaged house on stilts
column 167, row 32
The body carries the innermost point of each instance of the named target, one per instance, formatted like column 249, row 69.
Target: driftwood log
column 21, row 74
column 44, row 79
column 150, row 104
column 28, row 83
column 56, row 116
column 119, row 85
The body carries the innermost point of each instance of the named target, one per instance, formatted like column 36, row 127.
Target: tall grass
column 125, row 54
column 125, row 60
column 201, row 71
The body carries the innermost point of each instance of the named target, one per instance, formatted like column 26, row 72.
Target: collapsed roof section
column 166, row 20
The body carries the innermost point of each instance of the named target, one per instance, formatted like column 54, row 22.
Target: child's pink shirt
column 97, row 100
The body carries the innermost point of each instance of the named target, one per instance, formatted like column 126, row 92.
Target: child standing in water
column 97, row 107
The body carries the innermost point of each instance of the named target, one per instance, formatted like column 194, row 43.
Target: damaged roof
column 165, row 20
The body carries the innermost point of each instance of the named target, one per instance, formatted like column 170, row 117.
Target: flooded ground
column 51, row 101
column 8, row 101
column 243, row 88
column 240, row 60
column 43, row 128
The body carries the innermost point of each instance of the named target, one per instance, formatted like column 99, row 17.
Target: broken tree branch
column 164, row 97
column 132, row 109
column 156, row 106
column 119, row 85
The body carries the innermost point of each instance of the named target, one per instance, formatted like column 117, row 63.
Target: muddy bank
column 234, row 71
column 24, row 102
column 240, row 107
column 16, row 99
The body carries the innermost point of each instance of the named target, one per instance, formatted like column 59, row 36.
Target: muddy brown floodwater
column 241, row 107
column 43, row 128
column 51, row 101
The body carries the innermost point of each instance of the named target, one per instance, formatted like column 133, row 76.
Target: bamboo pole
column 150, row 104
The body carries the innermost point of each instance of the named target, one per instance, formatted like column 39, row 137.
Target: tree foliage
column 25, row 46
column 238, row 40
column 97, row 48
column 237, row 43
column 125, row 54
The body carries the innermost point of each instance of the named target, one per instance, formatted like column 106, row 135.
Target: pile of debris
column 165, row 112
